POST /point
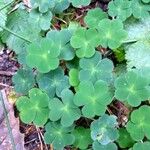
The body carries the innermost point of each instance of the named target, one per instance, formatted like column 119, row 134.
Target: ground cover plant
column 84, row 70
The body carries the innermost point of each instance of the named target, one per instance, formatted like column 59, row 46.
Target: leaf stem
column 15, row 34
column 7, row 122
column 5, row 6
column 130, row 41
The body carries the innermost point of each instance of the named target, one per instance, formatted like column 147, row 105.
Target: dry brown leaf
column 5, row 142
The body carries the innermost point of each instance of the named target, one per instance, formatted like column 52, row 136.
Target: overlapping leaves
column 139, row 125
column 94, row 16
column 94, row 68
column 53, row 82
column 93, row 97
column 62, row 40
column 85, row 41
column 58, row 136
column 64, row 110
column 133, row 88
column 23, row 80
column 113, row 34
column 82, row 137
column 104, row 129
column 120, row 9
column 43, row 56
column 42, row 19
column 34, row 108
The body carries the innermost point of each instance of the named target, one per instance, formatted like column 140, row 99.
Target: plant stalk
column 7, row 122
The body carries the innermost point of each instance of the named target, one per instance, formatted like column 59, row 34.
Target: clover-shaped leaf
column 42, row 19
column 125, row 140
column 141, row 146
column 133, row 88
column 82, row 138
column 62, row 39
column 34, row 108
column 94, row 68
column 23, row 80
column 121, row 9
column 139, row 9
column 43, row 5
column 53, row 82
column 79, row 3
column 85, row 41
column 104, row 129
column 43, row 55
column 139, row 125
column 98, row 146
column 93, row 97
column 58, row 136
column 74, row 77
column 64, row 110
column 93, row 16
column 60, row 5
column 112, row 33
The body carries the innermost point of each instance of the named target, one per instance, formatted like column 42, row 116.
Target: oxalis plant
column 73, row 78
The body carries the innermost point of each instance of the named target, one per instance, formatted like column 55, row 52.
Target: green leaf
column 121, row 9
column 146, row 1
column 94, row 16
column 64, row 110
column 74, row 77
column 104, row 129
column 98, row 146
column 94, row 68
column 62, row 39
column 139, row 125
column 85, row 41
column 3, row 15
column 60, row 6
column 43, row 56
column 139, row 9
column 42, row 19
column 141, row 146
column 82, row 138
column 138, row 31
column 142, row 57
column 125, row 140
column 80, row 3
column 58, row 136
column 23, row 80
column 133, row 88
column 53, row 82
column 19, row 24
column 112, row 33
column 43, row 5
column 93, row 97
column 35, row 108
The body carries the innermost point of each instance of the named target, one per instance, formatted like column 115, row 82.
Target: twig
column 61, row 20
column 43, row 139
column 51, row 147
column 39, row 136
column 2, row 95
column 30, row 141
